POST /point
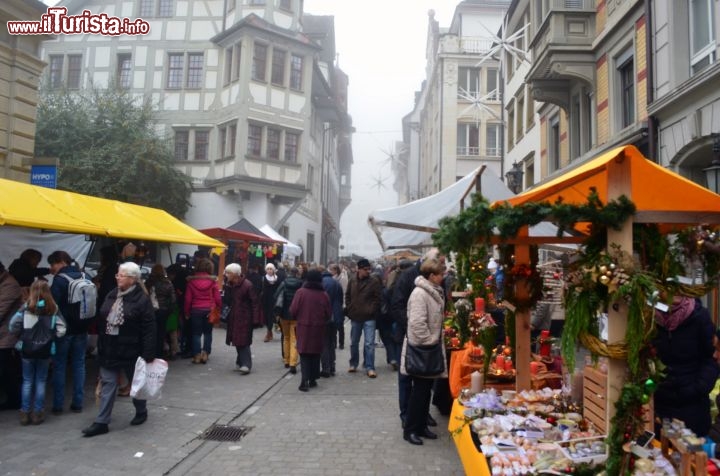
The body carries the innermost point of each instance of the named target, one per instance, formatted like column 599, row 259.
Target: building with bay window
column 250, row 95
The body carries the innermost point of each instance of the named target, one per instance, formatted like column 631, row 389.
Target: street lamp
column 712, row 173
column 514, row 178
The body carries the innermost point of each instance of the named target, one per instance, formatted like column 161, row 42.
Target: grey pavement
column 348, row 425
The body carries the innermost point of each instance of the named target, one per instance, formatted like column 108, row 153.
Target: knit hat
column 363, row 263
column 313, row 276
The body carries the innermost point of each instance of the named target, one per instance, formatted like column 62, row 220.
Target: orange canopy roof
column 660, row 195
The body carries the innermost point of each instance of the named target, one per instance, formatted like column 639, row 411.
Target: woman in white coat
column 425, row 311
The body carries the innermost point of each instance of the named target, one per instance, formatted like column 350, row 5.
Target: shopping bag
column 148, row 379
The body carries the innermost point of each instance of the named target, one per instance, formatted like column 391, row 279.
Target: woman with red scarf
column 684, row 344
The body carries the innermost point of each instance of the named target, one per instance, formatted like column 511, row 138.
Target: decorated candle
column 479, row 305
column 500, row 362
column 476, row 382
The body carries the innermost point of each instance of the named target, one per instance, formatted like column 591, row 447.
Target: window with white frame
column 511, row 126
column 491, row 83
column 156, row 8
column 185, row 70
column 273, row 143
column 65, row 73
column 468, row 139
column 292, row 142
column 259, row 64
column 529, row 109
column 226, row 138
column 625, row 67
column 296, row 72
column 195, row 140
column 492, row 140
column 123, row 73
column 227, row 73
column 182, row 145
column 277, row 74
column 469, row 80
column 254, row 140
column 519, row 111
column 702, row 35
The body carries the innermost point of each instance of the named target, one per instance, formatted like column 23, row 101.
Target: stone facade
column 20, row 72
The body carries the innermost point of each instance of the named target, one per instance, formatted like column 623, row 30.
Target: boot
column 24, row 418
column 197, row 359
column 268, row 336
column 203, row 357
column 37, row 417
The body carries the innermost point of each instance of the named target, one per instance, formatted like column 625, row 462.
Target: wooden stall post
column 618, row 183
column 522, row 321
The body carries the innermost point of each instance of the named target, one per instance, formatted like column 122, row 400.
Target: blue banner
column 44, row 176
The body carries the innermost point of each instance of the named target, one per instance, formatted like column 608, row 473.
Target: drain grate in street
column 225, row 433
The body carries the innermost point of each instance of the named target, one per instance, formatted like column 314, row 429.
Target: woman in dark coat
column 311, row 309
column 126, row 331
column 244, row 305
column 684, row 343
column 162, row 296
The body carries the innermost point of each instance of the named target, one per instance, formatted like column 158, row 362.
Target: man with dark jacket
column 362, row 301
column 25, row 268
column 404, row 286
column 74, row 343
column 335, row 293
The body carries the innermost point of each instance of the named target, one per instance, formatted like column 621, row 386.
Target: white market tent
column 289, row 248
column 411, row 225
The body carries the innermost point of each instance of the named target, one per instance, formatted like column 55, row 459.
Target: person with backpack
column 39, row 324
column 74, row 343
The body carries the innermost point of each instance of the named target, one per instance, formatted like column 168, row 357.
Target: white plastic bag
column 148, row 379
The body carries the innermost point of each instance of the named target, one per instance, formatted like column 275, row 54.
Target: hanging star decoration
column 393, row 158
column 478, row 104
column 378, row 182
column 506, row 44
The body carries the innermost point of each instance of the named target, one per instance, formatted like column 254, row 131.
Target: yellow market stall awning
column 660, row 195
column 57, row 210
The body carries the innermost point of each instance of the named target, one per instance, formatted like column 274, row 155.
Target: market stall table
column 473, row 461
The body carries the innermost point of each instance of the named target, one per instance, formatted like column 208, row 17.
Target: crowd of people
column 166, row 315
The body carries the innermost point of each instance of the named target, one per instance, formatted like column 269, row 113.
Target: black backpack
column 38, row 341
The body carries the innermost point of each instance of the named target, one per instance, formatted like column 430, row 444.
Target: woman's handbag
column 214, row 314
column 424, row 360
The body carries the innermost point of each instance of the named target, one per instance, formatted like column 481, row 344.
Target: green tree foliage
column 108, row 146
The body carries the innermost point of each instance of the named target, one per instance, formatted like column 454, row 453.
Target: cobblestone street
column 348, row 425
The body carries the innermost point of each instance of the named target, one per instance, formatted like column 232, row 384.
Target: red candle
column 545, row 334
column 479, row 305
column 508, row 364
column 500, row 362
column 534, row 366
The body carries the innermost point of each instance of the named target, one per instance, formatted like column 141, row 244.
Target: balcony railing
column 475, row 45
column 492, row 151
column 468, row 151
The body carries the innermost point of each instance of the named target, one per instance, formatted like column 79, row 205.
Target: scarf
column 271, row 279
column 679, row 312
column 116, row 316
